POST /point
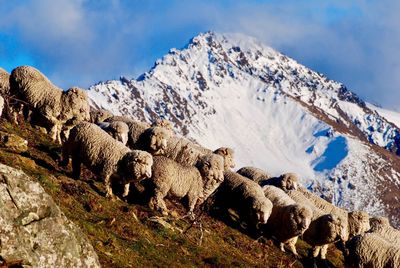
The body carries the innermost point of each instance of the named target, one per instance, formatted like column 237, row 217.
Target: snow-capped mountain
column 231, row 90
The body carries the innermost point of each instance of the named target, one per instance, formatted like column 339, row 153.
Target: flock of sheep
column 123, row 150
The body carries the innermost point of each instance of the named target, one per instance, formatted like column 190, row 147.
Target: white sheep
column 371, row 250
column 4, row 82
column 99, row 115
column 382, row 227
column 246, row 197
column 117, row 129
column 144, row 137
column 197, row 183
column 324, row 229
column 53, row 104
column 228, row 155
column 106, row 157
column 255, row 174
column 357, row 221
column 288, row 219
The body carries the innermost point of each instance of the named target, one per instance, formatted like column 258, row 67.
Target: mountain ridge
column 231, row 90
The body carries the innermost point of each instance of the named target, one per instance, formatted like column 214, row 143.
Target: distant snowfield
column 230, row 90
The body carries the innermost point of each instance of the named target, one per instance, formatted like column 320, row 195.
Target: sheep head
column 298, row 218
column 211, row 167
column 358, row 223
column 75, row 104
column 136, row 165
column 228, row 155
column 98, row 116
column 377, row 223
column 289, row 181
column 120, row 131
column 164, row 123
column 261, row 210
column 158, row 139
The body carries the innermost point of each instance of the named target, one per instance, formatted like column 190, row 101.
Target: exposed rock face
column 34, row 231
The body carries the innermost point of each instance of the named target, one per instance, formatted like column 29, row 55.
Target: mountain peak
column 232, row 90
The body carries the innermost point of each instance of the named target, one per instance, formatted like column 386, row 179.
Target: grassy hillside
column 130, row 234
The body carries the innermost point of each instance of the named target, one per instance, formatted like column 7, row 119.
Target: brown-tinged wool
column 106, row 157
column 116, row 129
column 164, row 123
column 382, row 227
column 357, row 221
column 144, row 137
column 255, row 174
column 99, row 115
column 324, row 229
column 247, row 197
column 55, row 105
column 371, row 250
column 195, row 182
column 288, row 220
column 228, row 154
column 4, row 82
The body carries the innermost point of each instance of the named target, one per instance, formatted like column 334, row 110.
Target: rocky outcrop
column 33, row 230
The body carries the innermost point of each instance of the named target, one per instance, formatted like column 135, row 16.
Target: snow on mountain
column 231, row 90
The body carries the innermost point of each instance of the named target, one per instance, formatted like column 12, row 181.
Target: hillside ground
column 130, row 234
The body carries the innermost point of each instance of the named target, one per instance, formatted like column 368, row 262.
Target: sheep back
column 255, row 174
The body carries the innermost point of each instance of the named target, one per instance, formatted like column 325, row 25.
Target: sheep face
column 77, row 100
column 299, row 218
column 289, row 181
column 211, row 167
column 377, row 223
column 358, row 222
column 158, row 140
column 262, row 210
column 136, row 165
column 228, row 155
column 164, row 123
column 120, row 131
column 97, row 116
column 332, row 227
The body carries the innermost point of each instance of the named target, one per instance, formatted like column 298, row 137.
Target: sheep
column 371, row 250
column 99, row 115
column 255, row 174
column 246, row 197
column 55, row 105
column 287, row 181
column 106, row 157
column 164, row 123
column 228, row 155
column 144, row 137
column 357, row 221
column 4, row 82
column 117, row 129
column 382, row 227
column 197, row 183
column 324, row 229
column 288, row 220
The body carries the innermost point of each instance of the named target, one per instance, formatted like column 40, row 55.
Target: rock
column 34, row 231
column 14, row 142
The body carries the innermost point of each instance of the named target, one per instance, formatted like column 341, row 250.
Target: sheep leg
column 324, row 250
column 292, row 245
column 157, row 202
column 126, row 189
column 316, row 251
column 192, row 198
column 107, row 182
column 76, row 166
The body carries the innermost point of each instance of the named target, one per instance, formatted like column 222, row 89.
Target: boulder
column 33, row 230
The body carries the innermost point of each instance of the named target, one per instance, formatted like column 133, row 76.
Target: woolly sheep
column 164, row 123
column 144, row 137
column 371, row 250
column 55, row 105
column 197, row 183
column 255, row 174
column 357, row 221
column 99, row 115
column 228, row 155
column 246, row 197
column 324, row 228
column 4, row 82
column 382, row 227
column 106, row 157
column 288, row 220
column 117, row 129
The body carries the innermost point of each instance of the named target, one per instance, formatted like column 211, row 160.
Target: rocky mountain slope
column 231, row 90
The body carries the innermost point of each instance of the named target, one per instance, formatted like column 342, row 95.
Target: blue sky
column 80, row 42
